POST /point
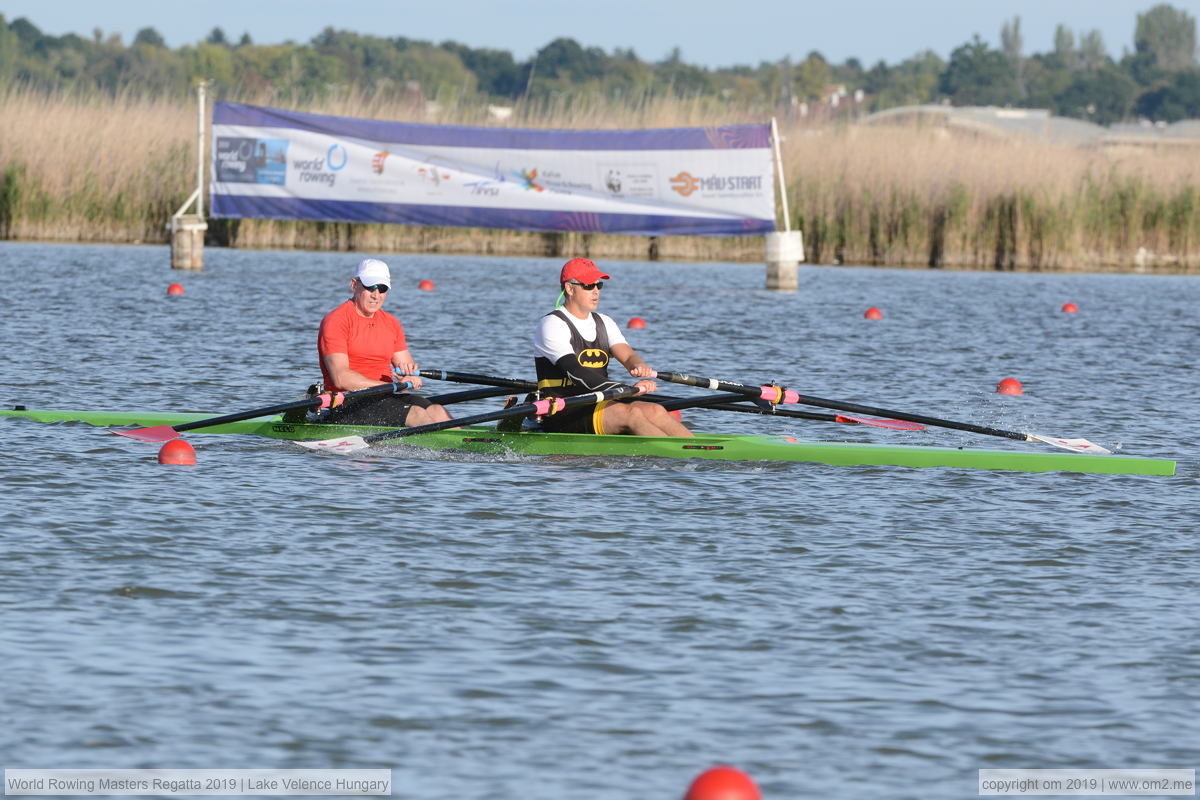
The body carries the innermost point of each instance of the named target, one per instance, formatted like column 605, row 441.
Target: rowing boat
column 717, row 447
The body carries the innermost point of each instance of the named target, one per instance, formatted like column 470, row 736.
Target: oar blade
column 159, row 433
column 894, row 424
column 344, row 445
column 1074, row 445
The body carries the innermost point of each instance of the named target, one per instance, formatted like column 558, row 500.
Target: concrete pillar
column 187, row 241
column 785, row 250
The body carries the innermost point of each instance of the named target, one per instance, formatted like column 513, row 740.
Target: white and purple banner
column 274, row 164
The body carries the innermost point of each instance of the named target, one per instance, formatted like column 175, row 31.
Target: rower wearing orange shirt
column 359, row 344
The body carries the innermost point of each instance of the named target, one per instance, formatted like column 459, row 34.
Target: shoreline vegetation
column 91, row 167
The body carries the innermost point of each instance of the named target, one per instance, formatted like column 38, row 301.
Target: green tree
column 911, row 82
column 812, row 77
column 149, row 36
column 978, row 75
column 1064, row 46
column 1013, row 45
column 1092, row 53
column 1103, row 96
column 8, row 51
column 1178, row 99
column 497, row 72
column 1168, row 36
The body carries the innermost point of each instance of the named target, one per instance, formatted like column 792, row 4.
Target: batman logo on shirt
column 593, row 358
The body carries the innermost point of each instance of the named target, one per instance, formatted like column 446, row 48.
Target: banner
column 275, row 164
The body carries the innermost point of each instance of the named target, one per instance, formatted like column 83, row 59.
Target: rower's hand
column 645, row 386
column 408, row 371
column 643, row 371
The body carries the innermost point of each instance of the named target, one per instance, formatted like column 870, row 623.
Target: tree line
column 1159, row 80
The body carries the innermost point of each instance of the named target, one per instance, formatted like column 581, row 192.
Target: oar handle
column 551, row 405
column 769, row 392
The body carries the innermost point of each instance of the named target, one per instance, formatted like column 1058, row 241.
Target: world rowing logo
column 332, row 156
column 685, row 183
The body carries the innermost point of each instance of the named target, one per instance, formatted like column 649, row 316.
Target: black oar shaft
column 838, row 405
column 856, row 408
column 671, row 403
column 523, row 410
column 728, row 402
column 307, row 402
column 483, row 380
column 467, row 395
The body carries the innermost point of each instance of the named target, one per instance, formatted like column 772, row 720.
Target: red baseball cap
column 583, row 270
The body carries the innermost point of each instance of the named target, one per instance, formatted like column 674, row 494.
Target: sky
column 708, row 33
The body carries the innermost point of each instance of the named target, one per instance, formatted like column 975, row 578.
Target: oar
column 482, row 380
column 666, row 400
column 551, row 405
column 163, row 433
column 779, row 394
column 467, row 395
column 722, row 403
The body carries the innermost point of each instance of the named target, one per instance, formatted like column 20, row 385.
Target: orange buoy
column 177, row 451
column 676, row 415
column 1070, row 308
column 872, row 313
column 636, row 323
column 175, row 288
column 426, row 286
column 1010, row 386
column 722, row 783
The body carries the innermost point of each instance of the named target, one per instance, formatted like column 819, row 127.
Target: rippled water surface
column 550, row 628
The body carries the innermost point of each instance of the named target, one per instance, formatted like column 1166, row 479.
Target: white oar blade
column 347, row 444
column 1075, row 445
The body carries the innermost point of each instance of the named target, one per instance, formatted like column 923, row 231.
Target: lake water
column 548, row 628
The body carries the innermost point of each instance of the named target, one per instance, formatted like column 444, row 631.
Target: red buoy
column 676, row 415
column 722, row 783
column 1070, row 308
column 175, row 288
column 425, row 286
column 177, row 451
column 636, row 323
column 872, row 313
column 1010, row 386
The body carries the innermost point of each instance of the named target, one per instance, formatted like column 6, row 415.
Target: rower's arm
column 631, row 361
column 346, row 379
column 637, row 367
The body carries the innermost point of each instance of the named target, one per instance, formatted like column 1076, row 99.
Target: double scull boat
column 716, row 447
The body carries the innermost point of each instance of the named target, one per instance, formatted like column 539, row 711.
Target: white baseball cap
column 372, row 271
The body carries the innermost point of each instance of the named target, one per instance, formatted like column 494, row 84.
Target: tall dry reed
column 114, row 169
column 920, row 196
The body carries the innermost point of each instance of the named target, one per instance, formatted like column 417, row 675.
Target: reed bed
column 97, row 168
column 920, row 197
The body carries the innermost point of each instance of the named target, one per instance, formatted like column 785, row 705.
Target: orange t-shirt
column 369, row 342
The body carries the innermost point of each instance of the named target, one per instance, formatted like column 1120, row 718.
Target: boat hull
column 704, row 446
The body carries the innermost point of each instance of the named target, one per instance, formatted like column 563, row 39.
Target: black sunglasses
column 588, row 286
column 379, row 287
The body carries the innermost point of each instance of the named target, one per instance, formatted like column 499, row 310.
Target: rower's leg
column 642, row 419
column 424, row 416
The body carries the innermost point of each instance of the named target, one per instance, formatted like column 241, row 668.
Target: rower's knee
column 425, row 416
